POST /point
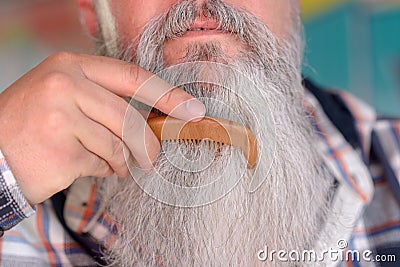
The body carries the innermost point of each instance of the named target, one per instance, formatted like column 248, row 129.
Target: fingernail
column 196, row 108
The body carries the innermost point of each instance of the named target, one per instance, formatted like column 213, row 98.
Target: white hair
column 106, row 25
column 263, row 92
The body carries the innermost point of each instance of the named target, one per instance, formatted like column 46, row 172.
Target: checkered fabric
column 13, row 205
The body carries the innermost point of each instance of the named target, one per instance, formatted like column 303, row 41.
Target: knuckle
column 86, row 164
column 116, row 151
column 107, row 172
column 55, row 121
column 130, row 73
column 131, row 76
column 101, row 169
column 132, row 123
column 168, row 100
column 63, row 57
column 56, row 82
column 66, row 158
column 123, row 172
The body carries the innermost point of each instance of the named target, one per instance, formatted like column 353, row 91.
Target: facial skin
column 274, row 13
column 131, row 16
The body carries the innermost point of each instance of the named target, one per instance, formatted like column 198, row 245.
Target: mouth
column 202, row 28
column 204, row 25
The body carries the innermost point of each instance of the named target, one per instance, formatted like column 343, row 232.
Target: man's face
column 131, row 16
column 253, row 70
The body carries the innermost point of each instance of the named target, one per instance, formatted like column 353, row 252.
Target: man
column 309, row 201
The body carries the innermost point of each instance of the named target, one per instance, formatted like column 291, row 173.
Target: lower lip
column 202, row 33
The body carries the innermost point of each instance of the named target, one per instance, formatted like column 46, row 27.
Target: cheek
column 276, row 14
column 132, row 16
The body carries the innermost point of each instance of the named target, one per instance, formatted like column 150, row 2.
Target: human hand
column 64, row 120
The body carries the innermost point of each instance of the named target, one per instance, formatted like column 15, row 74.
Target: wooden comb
column 222, row 132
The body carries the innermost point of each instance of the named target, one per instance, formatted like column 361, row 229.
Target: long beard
column 229, row 212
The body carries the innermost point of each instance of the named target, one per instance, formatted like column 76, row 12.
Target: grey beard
column 260, row 88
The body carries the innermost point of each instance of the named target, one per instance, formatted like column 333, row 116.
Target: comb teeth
column 209, row 143
column 216, row 133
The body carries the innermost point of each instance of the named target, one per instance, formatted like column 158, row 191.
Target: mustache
column 181, row 16
column 257, row 43
column 214, row 10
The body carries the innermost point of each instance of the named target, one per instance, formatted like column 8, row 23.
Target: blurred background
column 351, row 44
column 355, row 45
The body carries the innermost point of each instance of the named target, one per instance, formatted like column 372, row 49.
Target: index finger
column 129, row 80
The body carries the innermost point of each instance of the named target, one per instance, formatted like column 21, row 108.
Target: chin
column 176, row 50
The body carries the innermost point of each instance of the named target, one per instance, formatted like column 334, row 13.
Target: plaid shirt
column 361, row 150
